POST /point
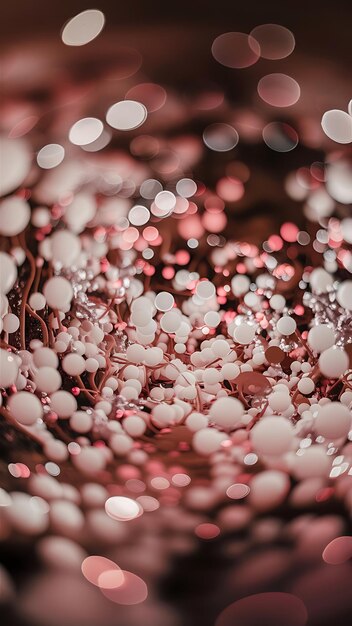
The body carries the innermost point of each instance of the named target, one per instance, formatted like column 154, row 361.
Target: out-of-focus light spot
column 181, row 480
column 139, row 215
column 280, row 137
column 165, row 201
column 220, row 137
column 250, row 459
column 150, row 233
column 127, row 62
column 159, row 483
column 148, row 254
column 289, row 232
column 50, row 156
column 85, row 131
column 337, row 125
column 207, row 531
column 83, row 28
column 148, row 503
column 126, row 115
column 237, row 491
column 122, row 509
column 186, row 187
column 99, row 143
column 339, row 181
column 5, row 498
column 23, row 127
column 236, row 50
column 338, row 551
column 94, row 566
column 150, row 188
column 275, row 41
column 133, row 590
column 52, row 468
column 274, row 608
column 279, row 90
column 111, row 579
column 145, row 146
column 19, row 470
column 230, row 189
column 151, row 95
column 193, row 243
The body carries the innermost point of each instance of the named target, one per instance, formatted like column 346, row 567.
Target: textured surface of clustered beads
column 161, row 379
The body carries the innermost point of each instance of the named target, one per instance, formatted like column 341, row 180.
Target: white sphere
column 47, row 379
column 240, row 284
column 207, row 441
column 269, row 489
column 61, row 553
column 45, row 357
column 333, row 421
column 205, row 290
column 27, row 515
column 73, row 364
column 25, row 407
column 313, row 463
column 65, row 247
column 220, row 347
column 14, row 216
column 81, row 421
column 8, row 368
column 226, row 412
column 121, row 444
column 306, row 386
column 134, row 425
column 272, row 436
column 333, row 362
column 90, row 460
column 58, row 292
column 63, row 403
column 321, row 337
column 244, row 333
column 196, row 421
column 66, row 517
column 170, row 321
column 286, row 325
column 8, row 272
column 164, row 301
column 279, row 401
column 344, row 294
column 320, row 280
column 56, row 450
column 37, row 301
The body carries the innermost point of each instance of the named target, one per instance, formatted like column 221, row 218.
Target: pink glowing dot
column 338, row 551
column 207, row 531
column 150, row 233
column 111, row 579
column 94, row 566
column 289, row 232
column 230, row 189
column 168, row 272
column 272, row 608
column 236, row 50
column 132, row 590
column 182, row 257
column 214, row 222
